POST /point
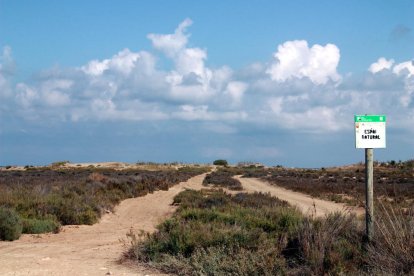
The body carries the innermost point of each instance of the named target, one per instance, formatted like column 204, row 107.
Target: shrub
column 214, row 233
column 236, row 260
column 37, row 226
column 326, row 246
column 223, row 179
column 220, row 162
column 79, row 196
column 59, row 163
column 10, row 224
column 392, row 251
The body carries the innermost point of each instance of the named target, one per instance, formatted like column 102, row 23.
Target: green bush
column 214, row 233
column 37, row 226
column 220, row 162
column 10, row 224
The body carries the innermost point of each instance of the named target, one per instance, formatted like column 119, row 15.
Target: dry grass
column 393, row 248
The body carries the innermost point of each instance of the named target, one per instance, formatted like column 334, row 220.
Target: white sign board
column 370, row 131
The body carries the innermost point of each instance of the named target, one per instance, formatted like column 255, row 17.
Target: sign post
column 369, row 134
column 369, row 193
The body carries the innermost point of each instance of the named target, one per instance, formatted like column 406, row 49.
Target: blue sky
column 276, row 82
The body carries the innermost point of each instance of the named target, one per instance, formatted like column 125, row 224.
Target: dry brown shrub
column 392, row 250
column 97, row 177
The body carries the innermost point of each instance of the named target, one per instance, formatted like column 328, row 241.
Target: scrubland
column 37, row 200
column 215, row 233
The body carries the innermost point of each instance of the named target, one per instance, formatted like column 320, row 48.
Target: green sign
column 370, row 118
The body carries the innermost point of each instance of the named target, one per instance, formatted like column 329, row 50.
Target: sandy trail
column 305, row 203
column 92, row 250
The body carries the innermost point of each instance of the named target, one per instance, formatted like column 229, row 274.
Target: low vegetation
column 220, row 162
column 393, row 182
column 392, row 251
column 214, row 233
column 223, row 178
column 45, row 198
column 10, row 224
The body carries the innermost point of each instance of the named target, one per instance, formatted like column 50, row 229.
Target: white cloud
column 25, row 95
column 189, row 65
column 300, row 91
column 191, row 93
column 53, row 92
column 96, row 67
column 407, row 67
column 236, row 89
column 171, row 44
column 122, row 62
column 294, row 59
column 54, row 98
column 191, row 60
column 380, row 65
column 315, row 119
column 404, row 70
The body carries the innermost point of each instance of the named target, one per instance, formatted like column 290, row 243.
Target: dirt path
column 305, row 203
column 94, row 250
column 91, row 250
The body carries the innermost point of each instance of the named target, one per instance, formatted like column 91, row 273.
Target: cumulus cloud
column 171, row 44
column 294, row 59
column 25, row 95
column 122, row 62
column 404, row 74
column 189, row 65
column 299, row 90
column 381, row 64
column 235, row 90
column 405, row 67
column 316, row 119
column 130, row 86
